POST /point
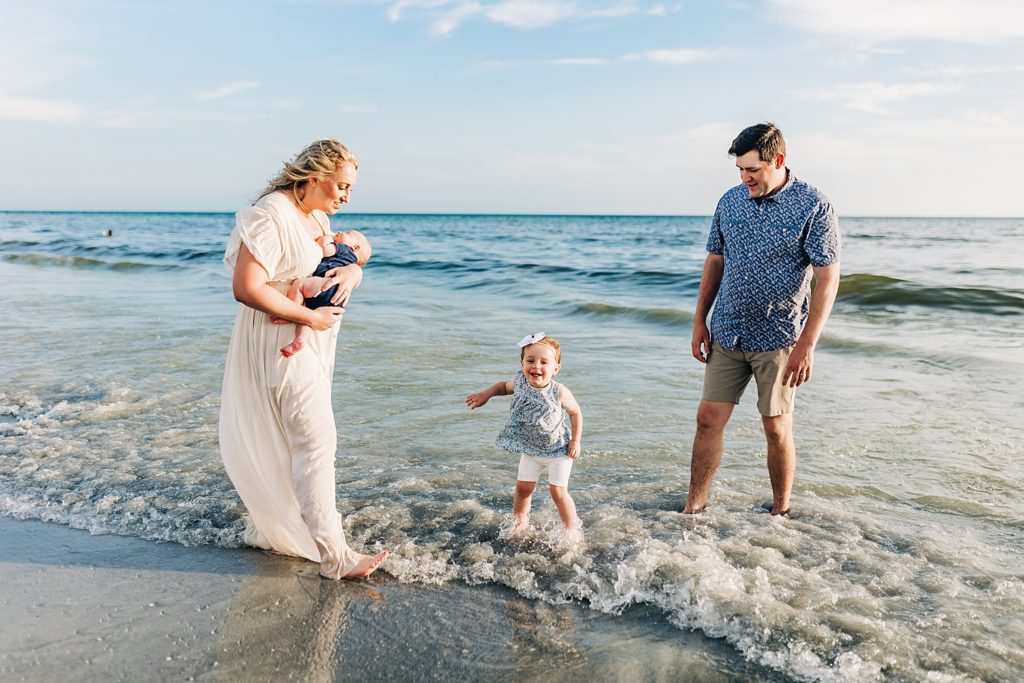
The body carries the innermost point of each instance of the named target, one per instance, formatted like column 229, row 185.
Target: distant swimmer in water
column 536, row 429
column 108, row 233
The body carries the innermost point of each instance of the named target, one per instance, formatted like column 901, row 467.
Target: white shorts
column 530, row 467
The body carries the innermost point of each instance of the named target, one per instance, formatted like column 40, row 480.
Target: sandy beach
column 109, row 608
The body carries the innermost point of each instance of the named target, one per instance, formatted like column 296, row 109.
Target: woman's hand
column 325, row 318
column 347, row 278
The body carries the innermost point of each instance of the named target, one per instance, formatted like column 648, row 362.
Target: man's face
column 760, row 177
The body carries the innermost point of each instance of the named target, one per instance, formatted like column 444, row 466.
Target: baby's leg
column 301, row 289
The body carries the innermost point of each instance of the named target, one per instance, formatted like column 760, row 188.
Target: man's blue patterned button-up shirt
column 769, row 247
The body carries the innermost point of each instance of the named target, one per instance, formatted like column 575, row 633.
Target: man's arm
column 826, row 286
column 710, row 281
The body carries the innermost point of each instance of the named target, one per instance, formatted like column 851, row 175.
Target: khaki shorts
column 728, row 372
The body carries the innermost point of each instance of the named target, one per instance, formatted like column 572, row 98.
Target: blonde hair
column 546, row 341
column 320, row 160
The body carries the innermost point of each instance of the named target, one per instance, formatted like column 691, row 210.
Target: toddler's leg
column 558, row 483
column 300, row 290
column 521, row 504
column 566, row 506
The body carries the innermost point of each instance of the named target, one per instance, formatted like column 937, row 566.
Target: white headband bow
column 531, row 339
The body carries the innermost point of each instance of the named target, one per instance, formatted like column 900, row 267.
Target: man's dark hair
column 765, row 137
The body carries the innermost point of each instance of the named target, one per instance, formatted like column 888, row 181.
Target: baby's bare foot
column 291, row 349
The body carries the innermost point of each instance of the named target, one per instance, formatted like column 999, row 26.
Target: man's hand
column 700, row 342
column 574, row 449
column 798, row 369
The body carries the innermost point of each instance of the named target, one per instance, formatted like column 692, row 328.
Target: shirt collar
column 790, row 179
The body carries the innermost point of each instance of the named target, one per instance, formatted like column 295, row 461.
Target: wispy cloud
column 874, row 97
column 961, row 71
column 33, row 59
column 576, row 61
column 669, row 56
column 38, row 110
column 959, row 21
column 530, row 14
column 359, row 108
column 663, row 10
column 682, row 55
column 226, row 90
column 445, row 16
column 498, row 65
column 165, row 118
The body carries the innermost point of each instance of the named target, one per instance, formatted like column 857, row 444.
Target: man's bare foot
column 367, row 565
column 688, row 510
column 290, row 350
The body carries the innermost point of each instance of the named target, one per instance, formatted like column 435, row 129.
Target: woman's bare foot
column 367, row 565
column 291, row 349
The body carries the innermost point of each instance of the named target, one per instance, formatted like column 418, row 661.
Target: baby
column 536, row 429
column 339, row 249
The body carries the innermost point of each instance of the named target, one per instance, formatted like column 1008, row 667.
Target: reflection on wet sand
column 286, row 623
column 542, row 637
column 289, row 624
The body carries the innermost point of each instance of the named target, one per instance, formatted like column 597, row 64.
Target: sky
column 890, row 107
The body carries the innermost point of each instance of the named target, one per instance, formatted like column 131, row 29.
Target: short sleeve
column 257, row 229
column 822, row 244
column 716, row 242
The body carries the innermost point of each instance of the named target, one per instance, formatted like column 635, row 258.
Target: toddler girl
column 536, row 429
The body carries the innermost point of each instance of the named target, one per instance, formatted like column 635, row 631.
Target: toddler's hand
column 476, row 400
column 574, row 449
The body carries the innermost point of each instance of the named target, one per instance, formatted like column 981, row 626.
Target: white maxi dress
column 277, row 433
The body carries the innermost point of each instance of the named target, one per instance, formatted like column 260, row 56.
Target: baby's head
column 541, row 359
column 357, row 242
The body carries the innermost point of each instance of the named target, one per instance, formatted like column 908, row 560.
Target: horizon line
column 497, row 214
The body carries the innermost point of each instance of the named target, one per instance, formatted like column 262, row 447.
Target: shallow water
column 903, row 561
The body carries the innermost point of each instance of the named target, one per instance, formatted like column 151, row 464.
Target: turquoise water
column 904, row 561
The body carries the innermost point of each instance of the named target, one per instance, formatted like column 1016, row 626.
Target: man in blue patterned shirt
column 768, row 236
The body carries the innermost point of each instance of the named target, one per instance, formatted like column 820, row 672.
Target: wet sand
column 109, row 608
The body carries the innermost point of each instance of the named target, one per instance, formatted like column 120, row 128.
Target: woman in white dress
column 277, row 433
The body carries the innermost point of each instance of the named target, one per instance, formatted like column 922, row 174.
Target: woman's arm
column 249, row 285
column 575, row 420
column 480, row 398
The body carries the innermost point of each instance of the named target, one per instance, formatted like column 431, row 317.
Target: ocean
column 904, row 559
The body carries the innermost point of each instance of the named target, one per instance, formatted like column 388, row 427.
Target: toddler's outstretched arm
column 502, row 388
column 575, row 420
